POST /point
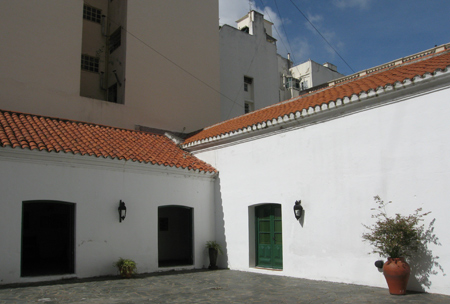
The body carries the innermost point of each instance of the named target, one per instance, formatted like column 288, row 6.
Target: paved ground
column 221, row 286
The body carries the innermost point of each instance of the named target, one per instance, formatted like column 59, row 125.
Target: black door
column 47, row 238
column 175, row 241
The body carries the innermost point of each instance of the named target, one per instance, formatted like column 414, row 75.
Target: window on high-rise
column 248, row 107
column 115, row 40
column 89, row 63
column 103, row 52
column 92, row 14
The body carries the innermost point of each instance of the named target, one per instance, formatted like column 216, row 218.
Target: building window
column 248, row 107
column 89, row 63
column 92, row 14
column 112, row 93
column 247, row 81
column 115, row 40
column 292, row 83
column 245, row 29
column 304, row 85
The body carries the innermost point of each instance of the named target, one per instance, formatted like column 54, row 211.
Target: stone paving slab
column 221, row 286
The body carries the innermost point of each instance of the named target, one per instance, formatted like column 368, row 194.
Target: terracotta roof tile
column 366, row 81
column 43, row 133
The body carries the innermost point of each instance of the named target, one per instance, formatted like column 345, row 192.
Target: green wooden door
column 269, row 238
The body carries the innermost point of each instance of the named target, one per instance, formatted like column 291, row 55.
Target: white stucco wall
column 172, row 63
column 96, row 186
column 399, row 151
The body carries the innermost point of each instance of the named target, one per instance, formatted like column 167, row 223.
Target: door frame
column 253, row 237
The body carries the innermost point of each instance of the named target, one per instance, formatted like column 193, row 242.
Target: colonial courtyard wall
column 399, row 151
column 95, row 186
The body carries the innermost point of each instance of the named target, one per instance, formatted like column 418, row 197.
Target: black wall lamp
column 122, row 211
column 298, row 209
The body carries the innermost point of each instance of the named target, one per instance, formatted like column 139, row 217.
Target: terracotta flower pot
column 396, row 271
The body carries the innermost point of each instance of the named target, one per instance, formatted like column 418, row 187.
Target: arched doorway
column 175, row 240
column 47, row 238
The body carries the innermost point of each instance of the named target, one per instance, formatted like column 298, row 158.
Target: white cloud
column 232, row 10
column 362, row 4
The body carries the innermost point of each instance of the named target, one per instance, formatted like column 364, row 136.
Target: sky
column 359, row 34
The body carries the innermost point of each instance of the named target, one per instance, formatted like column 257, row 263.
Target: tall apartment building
column 114, row 62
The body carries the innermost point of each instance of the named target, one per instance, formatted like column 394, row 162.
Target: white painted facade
column 297, row 79
column 95, row 186
column 250, row 51
column 247, row 54
column 395, row 146
column 311, row 73
column 170, row 75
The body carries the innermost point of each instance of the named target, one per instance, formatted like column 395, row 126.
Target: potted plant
column 126, row 267
column 213, row 249
column 395, row 238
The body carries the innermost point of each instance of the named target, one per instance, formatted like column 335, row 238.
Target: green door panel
column 269, row 238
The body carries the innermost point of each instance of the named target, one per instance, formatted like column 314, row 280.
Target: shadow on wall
column 222, row 260
column 302, row 219
column 423, row 263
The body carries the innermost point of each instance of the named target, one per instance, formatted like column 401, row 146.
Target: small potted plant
column 126, row 267
column 395, row 238
column 213, row 249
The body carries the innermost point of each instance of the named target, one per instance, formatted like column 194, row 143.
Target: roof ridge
column 78, row 122
column 353, row 77
column 423, row 55
column 43, row 133
column 409, row 71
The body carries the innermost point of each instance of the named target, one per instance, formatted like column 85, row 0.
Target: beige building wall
column 170, row 80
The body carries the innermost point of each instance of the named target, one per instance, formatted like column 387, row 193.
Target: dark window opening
column 247, row 82
column 248, row 107
column 245, row 29
column 89, row 63
column 47, row 238
column 112, row 93
column 92, row 14
column 115, row 40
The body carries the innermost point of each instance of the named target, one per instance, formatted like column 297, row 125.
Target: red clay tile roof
column 26, row 131
column 365, row 82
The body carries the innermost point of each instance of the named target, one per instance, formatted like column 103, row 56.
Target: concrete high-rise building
column 114, row 62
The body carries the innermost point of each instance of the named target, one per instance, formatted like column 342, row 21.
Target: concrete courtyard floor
column 221, row 286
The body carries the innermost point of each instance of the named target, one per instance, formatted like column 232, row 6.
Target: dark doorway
column 269, row 238
column 47, row 238
column 175, row 236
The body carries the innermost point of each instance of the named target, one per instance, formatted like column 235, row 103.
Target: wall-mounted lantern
column 298, row 209
column 122, row 211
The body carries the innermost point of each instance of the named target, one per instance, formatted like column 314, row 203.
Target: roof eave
column 390, row 93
